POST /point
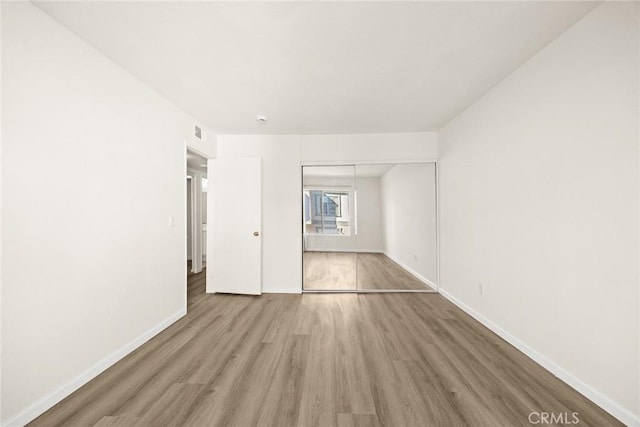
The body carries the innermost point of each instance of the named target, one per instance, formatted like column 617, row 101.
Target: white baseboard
column 38, row 408
column 589, row 392
column 412, row 271
column 360, row 251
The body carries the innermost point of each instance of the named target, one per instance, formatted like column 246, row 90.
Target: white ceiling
column 320, row 67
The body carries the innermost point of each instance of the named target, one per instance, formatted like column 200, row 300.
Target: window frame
column 347, row 191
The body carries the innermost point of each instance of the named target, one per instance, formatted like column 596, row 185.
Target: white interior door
column 234, row 219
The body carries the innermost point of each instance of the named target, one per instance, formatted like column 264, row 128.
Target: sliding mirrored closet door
column 370, row 228
column 396, row 221
column 329, row 228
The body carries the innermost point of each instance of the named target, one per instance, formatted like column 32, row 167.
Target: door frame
column 197, row 248
column 372, row 162
column 185, row 171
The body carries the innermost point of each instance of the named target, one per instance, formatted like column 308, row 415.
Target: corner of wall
column 207, row 145
column 41, row 406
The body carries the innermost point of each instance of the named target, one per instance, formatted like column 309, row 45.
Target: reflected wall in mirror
column 370, row 227
column 397, row 217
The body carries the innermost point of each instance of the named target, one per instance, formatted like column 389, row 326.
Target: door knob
column 256, row 233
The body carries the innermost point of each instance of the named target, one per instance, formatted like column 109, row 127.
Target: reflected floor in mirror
column 343, row 271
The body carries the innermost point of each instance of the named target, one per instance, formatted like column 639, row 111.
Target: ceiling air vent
column 198, row 133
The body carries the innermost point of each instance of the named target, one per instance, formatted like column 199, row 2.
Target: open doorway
column 196, row 187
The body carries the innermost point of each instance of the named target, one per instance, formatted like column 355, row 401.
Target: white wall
column 369, row 214
column 539, row 202
column 369, row 147
column 207, row 146
column 281, row 205
column 409, row 218
column 91, row 266
column 369, row 237
column 282, row 185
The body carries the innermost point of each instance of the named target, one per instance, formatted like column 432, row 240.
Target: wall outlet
column 480, row 288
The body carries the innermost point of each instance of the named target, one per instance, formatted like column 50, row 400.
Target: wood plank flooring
column 329, row 270
column 321, row 360
column 356, row 271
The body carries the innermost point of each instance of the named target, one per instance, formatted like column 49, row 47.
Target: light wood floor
column 329, row 270
column 356, row 271
column 321, row 360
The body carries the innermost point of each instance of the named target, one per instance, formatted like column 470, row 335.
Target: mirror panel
column 396, row 227
column 329, row 234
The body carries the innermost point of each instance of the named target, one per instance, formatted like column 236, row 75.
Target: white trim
column 185, row 211
column 589, row 392
column 38, row 408
column 438, row 281
column 331, row 236
column 370, row 291
column 360, row 251
column 363, row 162
column 282, row 291
column 412, row 271
column 196, row 222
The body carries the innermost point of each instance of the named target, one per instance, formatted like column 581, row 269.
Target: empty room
column 320, row 213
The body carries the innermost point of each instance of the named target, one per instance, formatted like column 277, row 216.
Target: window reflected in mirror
column 326, row 211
